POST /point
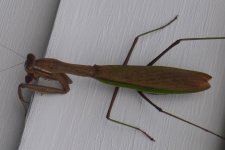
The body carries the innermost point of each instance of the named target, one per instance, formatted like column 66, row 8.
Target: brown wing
column 155, row 77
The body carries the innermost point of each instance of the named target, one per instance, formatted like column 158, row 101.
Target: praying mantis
column 148, row 79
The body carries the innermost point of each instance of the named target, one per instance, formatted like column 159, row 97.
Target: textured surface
column 25, row 26
column 101, row 32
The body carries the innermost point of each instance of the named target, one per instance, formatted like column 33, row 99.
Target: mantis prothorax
column 149, row 79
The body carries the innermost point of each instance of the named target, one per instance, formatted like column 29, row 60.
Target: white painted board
column 101, row 32
column 25, row 27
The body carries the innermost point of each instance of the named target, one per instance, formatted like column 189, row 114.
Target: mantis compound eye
column 28, row 78
column 30, row 61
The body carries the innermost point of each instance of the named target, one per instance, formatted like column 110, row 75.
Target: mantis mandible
column 149, row 79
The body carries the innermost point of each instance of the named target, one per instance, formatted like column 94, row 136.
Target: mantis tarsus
column 174, row 80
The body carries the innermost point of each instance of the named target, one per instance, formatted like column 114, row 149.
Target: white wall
column 25, row 26
column 101, row 32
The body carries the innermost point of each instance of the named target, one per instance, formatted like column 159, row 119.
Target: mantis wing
column 153, row 79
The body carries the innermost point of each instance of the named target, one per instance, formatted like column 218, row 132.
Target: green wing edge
column 144, row 89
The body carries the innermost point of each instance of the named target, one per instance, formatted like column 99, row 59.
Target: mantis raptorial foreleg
column 36, row 73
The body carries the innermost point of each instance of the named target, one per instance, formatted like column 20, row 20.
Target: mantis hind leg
column 125, row 63
column 156, row 59
column 178, row 42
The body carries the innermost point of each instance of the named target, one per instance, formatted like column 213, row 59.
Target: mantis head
column 29, row 67
column 30, row 62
